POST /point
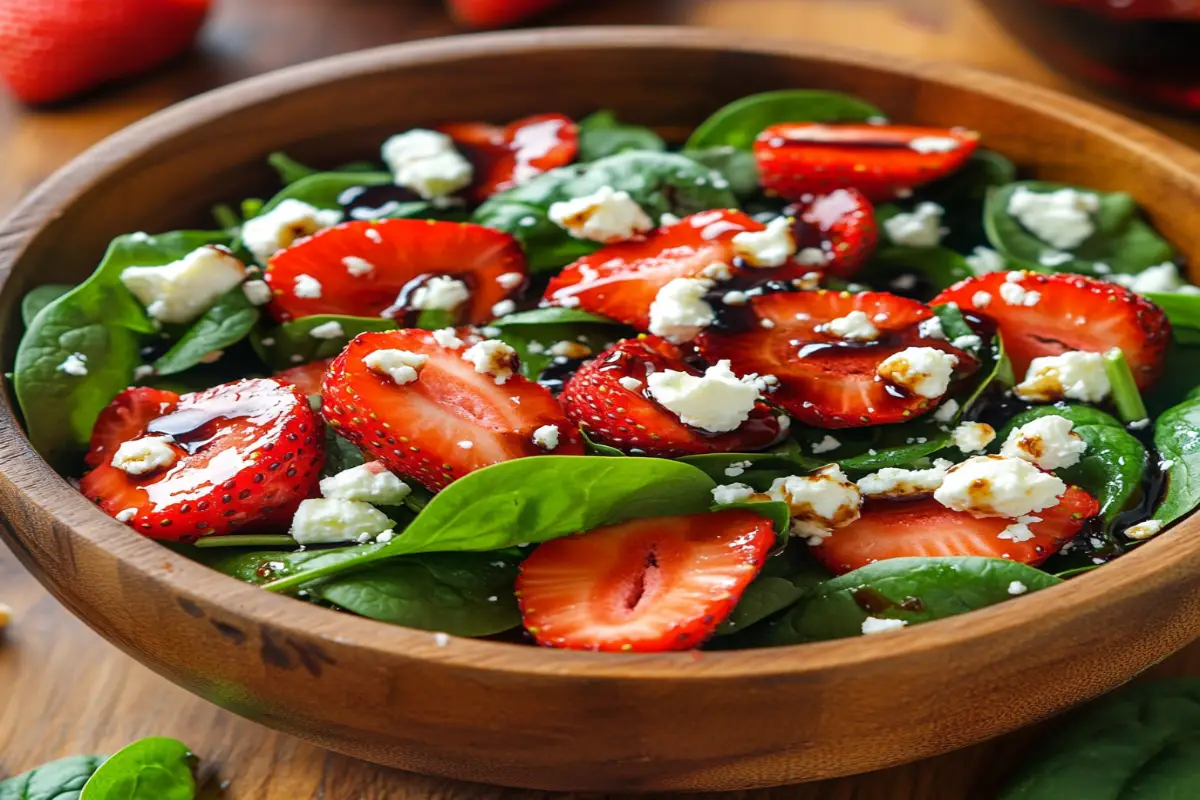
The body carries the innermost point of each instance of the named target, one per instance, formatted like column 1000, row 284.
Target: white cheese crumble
column 546, row 437
column 447, row 337
column 1014, row 294
column 920, row 228
column 1047, row 442
column 855, row 326
column 717, row 401
column 126, row 514
column 307, row 287
column 947, row 411
column 148, row 454
column 1061, row 219
column 604, row 216
column 931, row 328
column 367, row 483
column 357, row 267
column 402, row 366
column 427, row 162
column 825, row 445
column 267, row 234
column 569, row 349
column 872, row 625
column 630, row 383
column 820, row 502
column 185, row 289
column 737, row 468
column 442, row 293
column 894, row 482
column 510, row 280
column 679, row 311
column 258, row 293
column 771, row 247
column 1074, row 375
column 973, row 437
column 1164, row 278
column 924, row 371
column 335, row 520
column 74, row 365
column 998, row 486
column 934, row 144
column 492, row 357
column 1019, row 531
column 504, row 308
column 984, row 260
column 733, row 493
column 1143, row 530
column 328, row 330
column 981, row 299
column 967, row 341
column 1016, row 588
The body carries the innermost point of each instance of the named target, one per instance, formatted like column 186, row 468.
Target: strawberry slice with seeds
column 125, row 418
column 840, row 224
column 903, row 528
column 382, row 269
column 881, row 161
column 646, row 585
column 509, row 156
column 245, row 453
column 825, row 379
column 1046, row 315
column 445, row 418
column 608, row 397
column 620, row 281
column 306, row 378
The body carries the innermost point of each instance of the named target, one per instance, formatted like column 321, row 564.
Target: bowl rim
column 175, row 574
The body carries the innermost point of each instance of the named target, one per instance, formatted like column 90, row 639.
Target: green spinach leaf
column 756, row 470
column 660, row 183
column 737, row 124
column 784, row 581
column 252, row 566
column 738, row 166
column 533, row 333
column 38, row 298
column 962, row 196
column 601, row 135
column 223, row 325
column 936, row 268
column 1177, row 439
column 322, row 189
column 58, row 780
column 292, row 342
column 149, row 769
column 340, row 454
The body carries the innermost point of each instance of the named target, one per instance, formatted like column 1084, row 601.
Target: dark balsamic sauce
column 373, row 202
column 555, row 376
column 875, row 602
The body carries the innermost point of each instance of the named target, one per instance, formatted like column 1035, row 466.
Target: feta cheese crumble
column 185, row 289
column 973, row 437
column 307, row 287
column 924, row 371
column 367, row 483
column 894, row 482
column 335, row 520
column 984, row 260
column 934, row 144
column 632, row 384
column 1047, row 442
column 920, row 228
column 1061, row 219
column 441, row 293
column 357, row 267
column 733, row 493
column 1073, row 375
column 820, row 502
column 604, row 216
column 1016, row 588
column 717, row 401
column 144, row 455
column 825, row 445
column 402, row 366
column 872, row 625
column 504, row 308
column 771, row 247
column 998, row 486
column 427, row 162
column 510, row 280
column 931, row 329
column 492, row 357
column 328, row 330
column 257, row 292
column 855, row 326
column 947, row 411
column 1012, row 293
column 267, row 234
column 981, row 299
column 447, row 337
column 1143, row 530
column 74, row 365
column 1164, row 278
column 1019, row 531
column 546, row 437
column 126, row 514
column 679, row 311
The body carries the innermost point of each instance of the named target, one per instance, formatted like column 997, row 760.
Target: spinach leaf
column 601, row 135
column 1177, row 439
column 38, row 298
column 100, row 320
column 915, row 590
column 528, row 500
column 290, row 170
column 463, row 594
column 1178, row 377
column 660, row 183
column 962, row 196
column 322, row 189
column 597, row 449
column 340, row 454
column 1142, row 741
column 738, row 166
column 757, row 470
column 738, row 123
column 254, row 566
column 58, row 780
column 223, row 325
column 936, row 268
column 1123, row 240
column 533, row 333
column 246, row 540
column 785, row 580
column 1183, row 310
column 775, row 512
column 1110, row 469
column 292, row 342
column 149, row 769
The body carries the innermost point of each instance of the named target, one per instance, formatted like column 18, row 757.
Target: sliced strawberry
column 621, row 281
column 825, row 380
column 306, row 377
column 450, row 421
column 840, row 224
column 507, row 157
column 125, row 418
column 1045, row 315
column 628, row 419
column 809, row 158
column 645, row 585
column 903, row 528
column 247, row 452
column 374, row 269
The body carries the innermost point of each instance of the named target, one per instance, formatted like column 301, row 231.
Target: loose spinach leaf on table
column 1177, row 439
column 228, row 322
column 915, row 590
column 292, row 342
column 1141, row 742
column 527, row 500
column 38, row 298
column 532, row 334
column 738, row 166
column 59, row 780
column 1123, row 240
column 103, row 322
column 660, row 183
column 737, row 124
column 150, row 769
column 602, row 135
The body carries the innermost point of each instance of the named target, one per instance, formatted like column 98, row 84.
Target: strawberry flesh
column 125, row 418
column 840, row 224
column 507, row 157
column 646, row 585
column 306, row 378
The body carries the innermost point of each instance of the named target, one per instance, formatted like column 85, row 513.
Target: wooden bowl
column 538, row 718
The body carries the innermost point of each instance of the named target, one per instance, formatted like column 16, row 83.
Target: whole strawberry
column 54, row 49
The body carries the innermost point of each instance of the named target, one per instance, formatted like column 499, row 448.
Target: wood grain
column 65, row 690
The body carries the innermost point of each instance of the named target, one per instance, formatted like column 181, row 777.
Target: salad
column 811, row 374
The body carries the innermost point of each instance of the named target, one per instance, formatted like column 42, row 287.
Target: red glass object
column 1143, row 50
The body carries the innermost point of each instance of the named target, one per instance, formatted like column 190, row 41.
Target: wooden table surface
column 63, row 690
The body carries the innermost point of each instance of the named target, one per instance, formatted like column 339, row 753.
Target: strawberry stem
column 1125, row 393
column 247, row 540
